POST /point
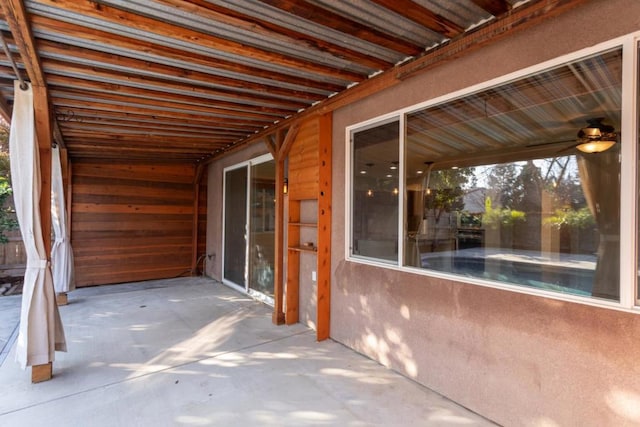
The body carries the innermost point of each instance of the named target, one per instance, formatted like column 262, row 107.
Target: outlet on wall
column 313, row 276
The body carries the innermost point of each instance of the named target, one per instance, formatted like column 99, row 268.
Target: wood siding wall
column 13, row 254
column 133, row 222
column 303, row 162
column 310, row 183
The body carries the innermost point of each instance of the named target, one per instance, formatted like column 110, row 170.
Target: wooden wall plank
column 134, row 221
column 303, row 162
column 168, row 173
column 292, row 294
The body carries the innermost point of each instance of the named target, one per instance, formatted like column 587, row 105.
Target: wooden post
column 278, row 292
column 44, row 135
column 40, row 373
column 196, row 217
column 323, row 314
column 281, row 149
column 61, row 297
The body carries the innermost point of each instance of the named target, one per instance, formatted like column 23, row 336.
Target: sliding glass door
column 249, row 226
column 235, row 225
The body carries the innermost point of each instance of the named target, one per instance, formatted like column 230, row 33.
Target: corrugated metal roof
column 198, row 76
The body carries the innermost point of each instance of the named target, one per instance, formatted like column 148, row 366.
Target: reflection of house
column 470, row 230
column 474, row 201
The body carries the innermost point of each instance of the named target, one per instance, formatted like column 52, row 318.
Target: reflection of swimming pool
column 567, row 273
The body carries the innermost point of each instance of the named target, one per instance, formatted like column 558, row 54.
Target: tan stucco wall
column 514, row 358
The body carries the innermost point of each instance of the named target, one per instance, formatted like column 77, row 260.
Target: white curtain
column 61, row 253
column 600, row 180
column 41, row 332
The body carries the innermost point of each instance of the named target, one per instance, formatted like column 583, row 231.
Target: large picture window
column 504, row 184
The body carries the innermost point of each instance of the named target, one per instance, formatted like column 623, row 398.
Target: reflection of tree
column 530, row 183
column 443, row 197
column 7, row 214
column 447, row 192
column 575, row 218
column 500, row 217
column 521, row 186
column 504, row 186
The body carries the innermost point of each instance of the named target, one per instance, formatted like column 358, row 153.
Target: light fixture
column 596, row 137
column 369, row 193
column 285, row 186
column 430, row 166
column 395, row 191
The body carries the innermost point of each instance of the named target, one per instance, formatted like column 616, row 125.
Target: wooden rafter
column 423, row 16
column 242, row 102
column 19, row 25
column 137, row 108
column 103, row 38
column 112, row 62
column 97, row 88
column 112, row 15
column 5, row 110
column 265, row 28
column 319, row 15
column 161, row 104
column 272, row 145
column 494, row 7
column 89, row 115
column 18, row 21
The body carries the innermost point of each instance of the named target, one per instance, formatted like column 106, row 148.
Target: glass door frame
column 244, row 288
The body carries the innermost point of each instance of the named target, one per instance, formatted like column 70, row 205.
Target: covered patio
column 300, row 152
column 192, row 352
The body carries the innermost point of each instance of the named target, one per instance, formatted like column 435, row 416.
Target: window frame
column 349, row 168
column 629, row 264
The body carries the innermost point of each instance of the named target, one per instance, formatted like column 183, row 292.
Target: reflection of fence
column 12, row 254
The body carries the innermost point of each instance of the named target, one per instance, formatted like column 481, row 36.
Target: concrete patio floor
column 192, row 352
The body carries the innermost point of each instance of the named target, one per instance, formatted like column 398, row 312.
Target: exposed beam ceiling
column 189, row 80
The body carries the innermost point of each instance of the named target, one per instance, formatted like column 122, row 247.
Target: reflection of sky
column 563, row 168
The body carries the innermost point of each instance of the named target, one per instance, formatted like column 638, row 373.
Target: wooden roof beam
column 494, row 7
column 233, row 98
column 91, row 9
column 108, row 62
column 5, row 110
column 58, row 29
column 423, row 16
column 306, row 10
column 90, row 115
column 18, row 21
column 265, row 28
